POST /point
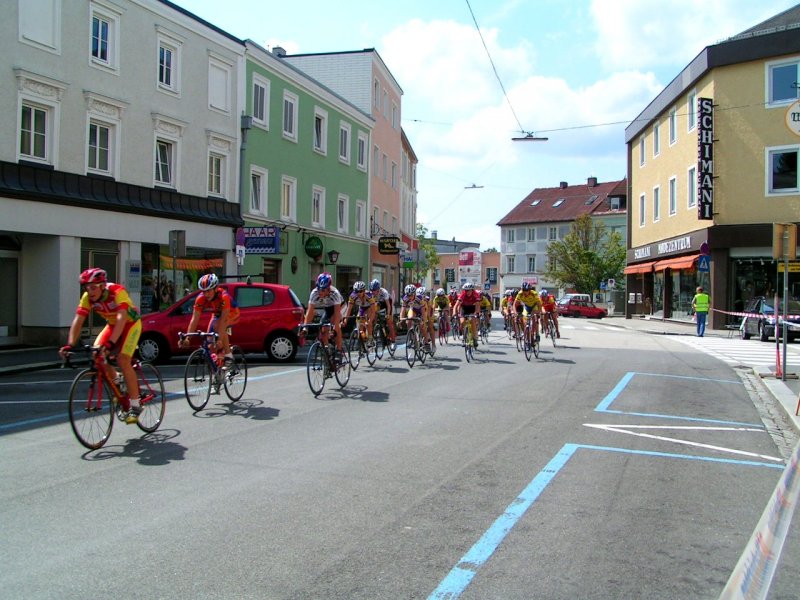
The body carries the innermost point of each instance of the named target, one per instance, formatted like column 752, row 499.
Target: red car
column 269, row 316
column 574, row 307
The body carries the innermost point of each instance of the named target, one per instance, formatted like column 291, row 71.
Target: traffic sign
column 704, row 263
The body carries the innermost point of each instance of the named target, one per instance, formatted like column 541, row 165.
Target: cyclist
column 442, row 304
column 505, row 308
column 384, row 301
column 413, row 306
column 528, row 299
column 549, row 310
column 326, row 297
column 427, row 323
column 486, row 310
column 224, row 312
column 121, row 333
column 468, row 301
column 361, row 299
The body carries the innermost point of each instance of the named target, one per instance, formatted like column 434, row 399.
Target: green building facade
column 305, row 184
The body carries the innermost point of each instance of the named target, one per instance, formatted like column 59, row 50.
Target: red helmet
column 93, row 275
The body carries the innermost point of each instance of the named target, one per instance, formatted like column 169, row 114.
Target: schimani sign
column 705, row 159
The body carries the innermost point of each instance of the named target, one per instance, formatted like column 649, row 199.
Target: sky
column 574, row 71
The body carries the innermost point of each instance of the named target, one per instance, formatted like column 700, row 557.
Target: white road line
column 624, row 429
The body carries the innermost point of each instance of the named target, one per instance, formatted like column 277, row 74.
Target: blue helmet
column 324, row 281
column 374, row 285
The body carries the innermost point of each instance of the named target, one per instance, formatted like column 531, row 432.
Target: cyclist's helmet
column 509, row 292
column 440, row 292
column 543, row 293
column 208, row 282
column 324, row 281
column 93, row 275
column 374, row 285
column 526, row 286
column 359, row 286
column 468, row 286
column 421, row 290
column 453, row 292
column 410, row 289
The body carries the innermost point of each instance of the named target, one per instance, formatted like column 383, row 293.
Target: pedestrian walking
column 700, row 305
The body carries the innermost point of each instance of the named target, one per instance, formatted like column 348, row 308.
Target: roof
column 788, row 19
column 542, row 204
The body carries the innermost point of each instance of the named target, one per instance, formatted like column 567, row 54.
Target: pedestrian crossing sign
column 704, row 263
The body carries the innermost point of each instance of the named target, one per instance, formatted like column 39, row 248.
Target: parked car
column 269, row 316
column 585, row 297
column 763, row 325
column 578, row 307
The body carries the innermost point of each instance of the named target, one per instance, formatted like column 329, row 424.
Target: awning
column 640, row 268
column 681, row 262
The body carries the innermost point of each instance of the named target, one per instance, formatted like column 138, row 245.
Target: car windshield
column 793, row 308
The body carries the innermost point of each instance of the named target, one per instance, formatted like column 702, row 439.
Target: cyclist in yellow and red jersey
column 549, row 309
column 486, row 309
column 506, row 304
column 224, row 311
column 121, row 333
column 528, row 299
column 467, row 304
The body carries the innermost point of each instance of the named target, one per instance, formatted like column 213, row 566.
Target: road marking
column 462, row 574
column 626, row 430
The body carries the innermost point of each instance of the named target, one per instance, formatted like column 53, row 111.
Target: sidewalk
column 25, row 359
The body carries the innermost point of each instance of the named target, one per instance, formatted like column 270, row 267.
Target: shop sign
column 388, row 245
column 313, row 247
column 794, row 266
column 705, row 159
column 262, row 240
column 793, row 117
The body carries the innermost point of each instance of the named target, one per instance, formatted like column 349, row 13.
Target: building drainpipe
column 246, row 123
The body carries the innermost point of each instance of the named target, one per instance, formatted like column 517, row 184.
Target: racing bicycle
column 207, row 368
column 324, row 361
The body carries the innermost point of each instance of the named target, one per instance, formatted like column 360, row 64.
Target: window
column 318, row 206
column 673, row 126
column 40, row 24
column 511, row 235
column 782, row 78
column 100, row 142
column 258, row 190
column 491, row 275
column 552, row 233
column 219, row 84
column 531, row 234
column 395, row 113
column 104, row 33
column 642, row 206
column 641, row 151
column 215, row 174
column 261, row 101
column 510, row 260
column 691, row 110
column 656, row 139
column 376, row 93
column 394, row 175
column 344, row 142
column 614, row 202
column 361, row 221
column 673, row 199
column 782, row 170
column 289, row 199
column 290, row 102
column 656, row 204
column 341, row 213
column 361, row 160
column 320, row 130
column 375, row 155
column 33, row 133
column 691, row 188
column 558, row 202
column 384, row 167
column 385, row 104
column 165, row 161
column 531, row 264
column 169, row 62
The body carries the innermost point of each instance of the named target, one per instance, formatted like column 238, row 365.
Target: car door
column 255, row 321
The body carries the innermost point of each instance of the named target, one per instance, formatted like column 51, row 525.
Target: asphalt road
column 618, row 465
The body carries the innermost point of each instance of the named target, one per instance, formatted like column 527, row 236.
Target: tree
column 587, row 255
column 427, row 257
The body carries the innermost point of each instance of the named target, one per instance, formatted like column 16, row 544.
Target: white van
column 584, row 297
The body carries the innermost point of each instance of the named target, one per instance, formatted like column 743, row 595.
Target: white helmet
column 411, row 289
column 440, row 292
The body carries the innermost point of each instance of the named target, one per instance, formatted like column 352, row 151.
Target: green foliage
column 587, row 255
column 428, row 257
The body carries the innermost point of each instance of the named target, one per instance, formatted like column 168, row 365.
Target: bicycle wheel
column 411, row 346
column 390, row 346
column 380, row 343
column 151, row 387
column 316, row 368
column 422, row 348
column 527, row 342
column 551, row 328
column 372, row 350
column 442, row 330
column 343, row 371
column 468, row 349
column 197, row 379
column 235, row 374
column 484, row 334
column 91, row 410
column 354, row 347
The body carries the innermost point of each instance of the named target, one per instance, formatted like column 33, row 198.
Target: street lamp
column 529, row 137
column 333, row 256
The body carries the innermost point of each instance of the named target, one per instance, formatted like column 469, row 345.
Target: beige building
column 712, row 164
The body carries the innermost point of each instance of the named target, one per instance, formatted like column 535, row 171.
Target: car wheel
column 281, row 346
column 762, row 333
column 153, row 349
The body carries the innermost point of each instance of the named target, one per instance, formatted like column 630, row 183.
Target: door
column 9, row 297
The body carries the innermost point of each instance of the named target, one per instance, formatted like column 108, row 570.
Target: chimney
column 563, row 185
column 279, row 51
column 592, row 181
column 435, row 234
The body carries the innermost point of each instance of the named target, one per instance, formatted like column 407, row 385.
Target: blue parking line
column 462, row 574
column 626, row 379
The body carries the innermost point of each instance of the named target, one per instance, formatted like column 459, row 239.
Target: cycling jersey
column 504, row 303
column 530, row 300
column 361, row 301
column 216, row 304
column 469, row 298
column 441, row 302
column 486, row 304
column 549, row 305
column 113, row 298
column 382, row 297
column 329, row 301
